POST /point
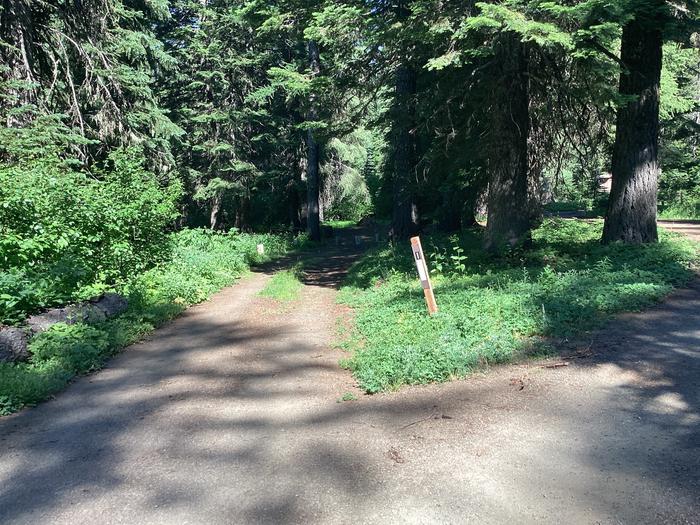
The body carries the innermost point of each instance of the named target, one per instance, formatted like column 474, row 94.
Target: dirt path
column 230, row 415
column 688, row 228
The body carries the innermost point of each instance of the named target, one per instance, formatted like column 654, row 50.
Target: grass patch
column 492, row 308
column 202, row 263
column 340, row 224
column 347, row 396
column 283, row 286
column 590, row 208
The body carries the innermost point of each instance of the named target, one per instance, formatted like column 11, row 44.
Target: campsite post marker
column 423, row 275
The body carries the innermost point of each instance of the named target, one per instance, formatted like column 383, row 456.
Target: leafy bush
column 682, row 210
column 67, row 234
column 679, row 193
column 76, row 348
column 22, row 385
column 587, row 207
column 490, row 308
column 202, row 262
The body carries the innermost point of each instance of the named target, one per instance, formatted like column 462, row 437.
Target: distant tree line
column 282, row 113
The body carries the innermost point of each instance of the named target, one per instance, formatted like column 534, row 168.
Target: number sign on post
column 423, row 275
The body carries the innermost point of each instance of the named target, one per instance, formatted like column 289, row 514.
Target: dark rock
column 111, row 304
column 13, row 344
column 78, row 313
column 42, row 322
column 94, row 311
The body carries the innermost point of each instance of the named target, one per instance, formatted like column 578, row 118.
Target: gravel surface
column 231, row 414
column 688, row 228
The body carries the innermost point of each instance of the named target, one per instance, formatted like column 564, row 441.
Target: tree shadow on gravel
column 165, row 433
column 157, row 404
column 658, row 353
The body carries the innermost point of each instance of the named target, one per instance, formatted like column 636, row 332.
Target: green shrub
column 347, row 396
column 680, row 210
column 67, row 234
column 679, row 192
column 76, row 348
column 28, row 384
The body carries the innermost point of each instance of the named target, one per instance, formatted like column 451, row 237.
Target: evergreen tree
column 631, row 215
column 313, row 182
column 508, row 215
column 271, row 111
column 88, row 67
column 404, row 221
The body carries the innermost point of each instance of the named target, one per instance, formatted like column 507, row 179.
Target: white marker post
column 261, row 249
column 423, row 275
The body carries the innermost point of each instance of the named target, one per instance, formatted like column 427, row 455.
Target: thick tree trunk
column 404, row 221
column 631, row 215
column 451, row 211
column 508, row 222
column 313, row 217
column 313, row 183
column 294, row 204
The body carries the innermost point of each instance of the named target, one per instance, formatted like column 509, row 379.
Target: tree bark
column 631, row 214
column 214, row 212
column 508, row 223
column 404, row 222
column 313, row 183
column 405, row 212
column 293, row 206
column 242, row 213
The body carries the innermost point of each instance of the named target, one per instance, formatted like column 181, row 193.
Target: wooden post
column 423, row 275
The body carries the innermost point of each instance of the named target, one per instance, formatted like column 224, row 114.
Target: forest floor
column 232, row 414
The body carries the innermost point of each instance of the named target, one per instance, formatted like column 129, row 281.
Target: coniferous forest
column 146, row 145
column 260, row 115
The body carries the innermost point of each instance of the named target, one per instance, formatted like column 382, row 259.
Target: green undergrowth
column 687, row 211
column 284, row 286
column 493, row 309
column 590, row 208
column 202, row 263
column 340, row 224
column 347, row 396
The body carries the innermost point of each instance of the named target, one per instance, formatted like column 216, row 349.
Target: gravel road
column 231, row 414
